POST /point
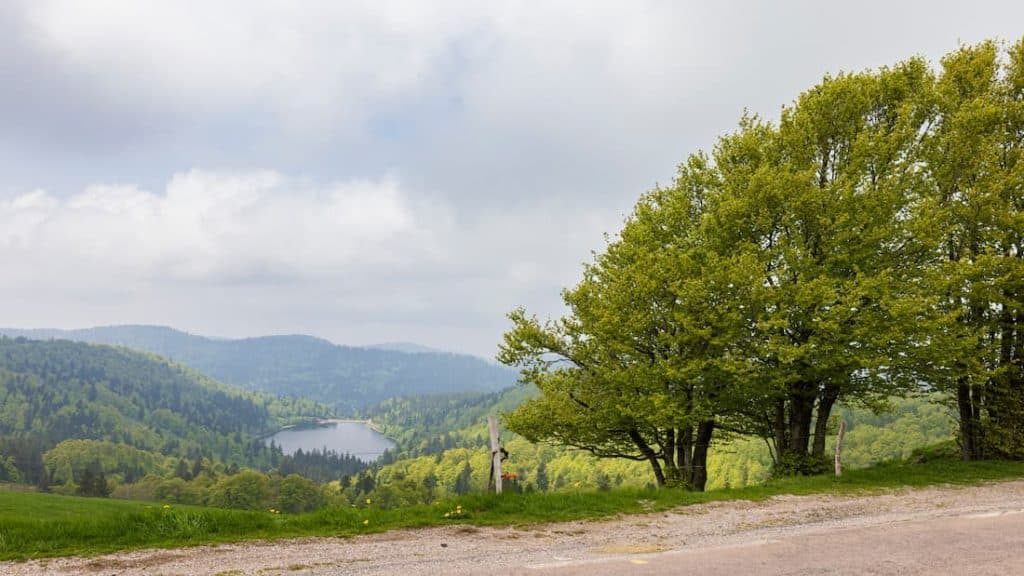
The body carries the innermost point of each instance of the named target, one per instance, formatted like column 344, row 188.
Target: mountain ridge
column 348, row 377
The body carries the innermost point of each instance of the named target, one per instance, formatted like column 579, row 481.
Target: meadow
column 37, row 525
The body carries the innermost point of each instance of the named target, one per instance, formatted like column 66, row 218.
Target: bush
column 247, row 490
column 801, row 465
column 297, row 494
column 947, row 450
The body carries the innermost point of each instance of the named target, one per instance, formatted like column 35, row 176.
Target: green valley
column 67, row 406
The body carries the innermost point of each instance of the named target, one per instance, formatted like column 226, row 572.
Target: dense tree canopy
column 973, row 160
column 65, row 405
column 866, row 245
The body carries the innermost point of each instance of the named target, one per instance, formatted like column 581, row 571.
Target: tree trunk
column 978, row 400
column 801, row 411
column 780, row 429
column 968, row 438
column 648, row 453
column 699, row 463
column 683, row 448
column 825, row 405
column 668, row 455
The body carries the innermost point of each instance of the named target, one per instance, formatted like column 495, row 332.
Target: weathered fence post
column 839, row 448
column 496, row 452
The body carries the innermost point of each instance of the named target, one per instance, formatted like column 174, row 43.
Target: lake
column 352, row 437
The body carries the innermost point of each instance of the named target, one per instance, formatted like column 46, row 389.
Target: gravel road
column 903, row 532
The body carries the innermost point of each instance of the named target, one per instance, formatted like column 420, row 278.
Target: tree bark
column 668, row 455
column 683, row 448
column 825, row 405
column 978, row 401
column 648, row 453
column 780, row 430
column 699, row 462
column 967, row 424
column 801, row 410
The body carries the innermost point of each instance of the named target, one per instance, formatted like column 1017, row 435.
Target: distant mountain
column 407, row 347
column 348, row 378
column 52, row 391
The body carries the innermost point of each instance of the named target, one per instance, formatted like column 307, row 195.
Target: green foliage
column 890, row 430
column 421, row 424
column 792, row 464
column 867, row 245
column 943, row 451
column 93, row 482
column 297, row 494
column 69, row 457
column 130, row 411
column 975, row 216
column 247, row 490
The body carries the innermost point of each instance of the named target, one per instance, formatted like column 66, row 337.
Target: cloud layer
column 378, row 171
column 216, row 228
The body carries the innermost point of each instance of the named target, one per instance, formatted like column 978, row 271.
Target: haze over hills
column 408, row 347
column 348, row 378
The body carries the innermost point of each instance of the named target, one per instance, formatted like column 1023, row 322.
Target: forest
column 65, row 406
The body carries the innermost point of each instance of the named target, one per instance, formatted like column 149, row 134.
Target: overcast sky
column 378, row 171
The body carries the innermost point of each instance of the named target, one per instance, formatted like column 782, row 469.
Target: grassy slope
column 42, row 525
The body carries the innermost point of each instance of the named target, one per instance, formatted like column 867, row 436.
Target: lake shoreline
column 368, row 423
column 363, row 439
column 326, row 421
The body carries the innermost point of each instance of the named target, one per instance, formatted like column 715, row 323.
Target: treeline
column 869, row 244
column 140, row 407
column 892, row 431
column 100, row 468
column 430, row 424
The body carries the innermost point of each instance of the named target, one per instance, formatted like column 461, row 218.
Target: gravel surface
column 459, row 550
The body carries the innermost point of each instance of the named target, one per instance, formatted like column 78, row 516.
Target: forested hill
column 348, row 378
column 52, row 391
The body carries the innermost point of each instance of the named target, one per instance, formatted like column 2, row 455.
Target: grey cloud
column 515, row 135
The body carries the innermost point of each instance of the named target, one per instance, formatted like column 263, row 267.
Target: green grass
column 45, row 525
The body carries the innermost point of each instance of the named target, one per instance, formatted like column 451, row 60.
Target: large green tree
column 645, row 366
column 867, row 245
column 973, row 158
column 822, row 202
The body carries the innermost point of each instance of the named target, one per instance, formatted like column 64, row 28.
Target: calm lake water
column 355, row 438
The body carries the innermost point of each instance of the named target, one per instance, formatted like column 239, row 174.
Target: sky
column 377, row 171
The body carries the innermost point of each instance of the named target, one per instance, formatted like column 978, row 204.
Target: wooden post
column 492, row 423
column 839, row 448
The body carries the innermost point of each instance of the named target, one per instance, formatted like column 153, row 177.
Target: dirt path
column 896, row 533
